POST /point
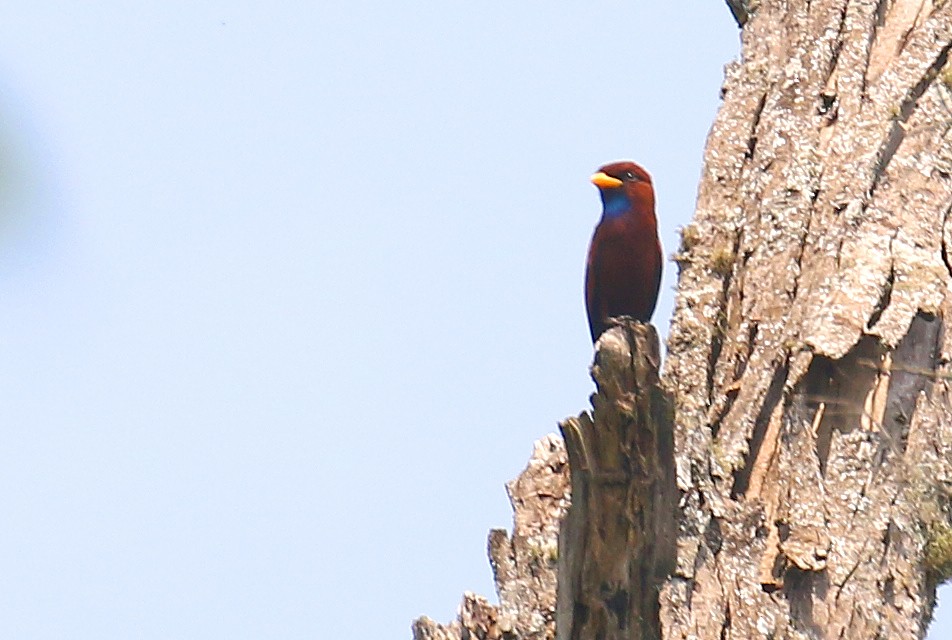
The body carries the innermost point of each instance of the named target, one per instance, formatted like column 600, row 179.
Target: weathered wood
column 524, row 565
column 618, row 539
column 616, row 546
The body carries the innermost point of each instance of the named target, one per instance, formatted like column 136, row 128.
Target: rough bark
column 808, row 361
column 617, row 541
column 617, row 547
column 524, row 565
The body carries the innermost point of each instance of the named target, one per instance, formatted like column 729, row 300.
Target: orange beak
column 604, row 181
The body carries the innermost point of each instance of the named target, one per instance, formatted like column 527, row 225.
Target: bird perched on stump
column 624, row 260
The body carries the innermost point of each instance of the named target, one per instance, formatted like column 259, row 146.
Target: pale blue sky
column 290, row 288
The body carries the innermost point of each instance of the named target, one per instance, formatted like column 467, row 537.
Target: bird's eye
column 629, row 175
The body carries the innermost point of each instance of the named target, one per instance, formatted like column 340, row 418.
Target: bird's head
column 625, row 187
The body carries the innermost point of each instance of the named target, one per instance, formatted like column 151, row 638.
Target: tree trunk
column 807, row 356
column 808, row 363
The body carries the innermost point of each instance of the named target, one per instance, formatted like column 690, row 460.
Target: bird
column 623, row 271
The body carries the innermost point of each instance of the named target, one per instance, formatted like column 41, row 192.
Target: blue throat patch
column 614, row 203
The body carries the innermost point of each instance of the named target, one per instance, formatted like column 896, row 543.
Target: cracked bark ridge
column 616, row 546
column 524, row 565
column 807, row 357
